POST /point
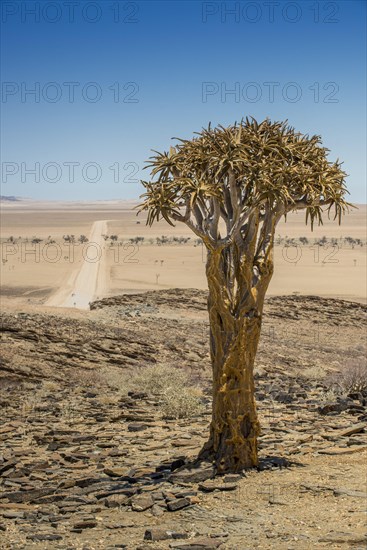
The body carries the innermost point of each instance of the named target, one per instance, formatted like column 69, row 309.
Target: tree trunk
column 235, row 322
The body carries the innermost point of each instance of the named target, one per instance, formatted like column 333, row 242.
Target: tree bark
column 235, row 323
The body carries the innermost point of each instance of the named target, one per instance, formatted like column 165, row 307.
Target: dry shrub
column 330, row 395
column 48, row 386
column 181, row 403
column 157, row 379
column 106, row 399
column 117, row 380
column 89, row 379
column 176, row 398
column 351, row 379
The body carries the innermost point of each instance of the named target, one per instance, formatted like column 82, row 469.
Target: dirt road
column 90, row 281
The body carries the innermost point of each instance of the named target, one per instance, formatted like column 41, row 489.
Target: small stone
column 283, row 397
column 276, row 501
column 115, row 501
column 197, row 544
column 178, row 504
column 156, row 533
column 27, row 495
column 192, row 475
column 7, row 466
column 357, row 428
column 344, row 538
column 116, row 472
column 346, row 492
column 85, row 524
column 43, row 536
column 137, row 427
column 87, row 481
column 12, row 515
column 210, row 486
column 343, row 450
column 337, row 406
column 232, row 478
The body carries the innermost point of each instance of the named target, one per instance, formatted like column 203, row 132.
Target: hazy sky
column 112, row 80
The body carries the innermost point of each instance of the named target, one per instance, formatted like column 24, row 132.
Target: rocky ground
column 87, row 462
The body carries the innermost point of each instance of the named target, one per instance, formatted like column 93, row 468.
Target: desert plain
column 162, row 256
column 105, row 387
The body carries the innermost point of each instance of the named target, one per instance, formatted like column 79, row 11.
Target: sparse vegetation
column 69, row 238
column 351, row 379
column 169, row 385
column 179, row 402
column 155, row 380
column 314, row 373
column 90, row 379
column 136, row 240
column 329, row 395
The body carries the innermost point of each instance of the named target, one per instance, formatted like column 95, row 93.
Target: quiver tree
column 231, row 186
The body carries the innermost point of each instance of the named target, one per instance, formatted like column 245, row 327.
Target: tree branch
column 301, row 204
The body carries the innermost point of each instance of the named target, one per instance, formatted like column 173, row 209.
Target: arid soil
column 88, row 463
column 164, row 257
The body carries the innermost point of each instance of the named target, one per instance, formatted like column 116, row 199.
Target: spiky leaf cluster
column 241, row 167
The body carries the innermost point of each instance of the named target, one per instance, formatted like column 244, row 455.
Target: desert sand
column 47, row 273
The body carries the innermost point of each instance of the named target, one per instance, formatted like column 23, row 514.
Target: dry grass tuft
column 314, row 373
column 177, row 399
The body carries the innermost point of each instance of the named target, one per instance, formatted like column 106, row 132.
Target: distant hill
column 9, row 198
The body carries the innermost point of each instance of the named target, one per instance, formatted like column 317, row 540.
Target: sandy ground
column 50, row 274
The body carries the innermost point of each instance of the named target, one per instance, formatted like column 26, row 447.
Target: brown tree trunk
column 235, row 322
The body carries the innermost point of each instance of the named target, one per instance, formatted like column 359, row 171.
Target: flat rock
column 198, row 544
column 7, row 466
column 178, row 504
column 156, row 533
column 115, row 501
column 43, row 536
column 116, row 472
column 210, row 486
column 140, row 503
column 344, row 538
column 343, row 450
column 85, row 524
column 348, row 493
column 137, row 427
column 192, row 475
column 27, row 496
column 357, row 428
